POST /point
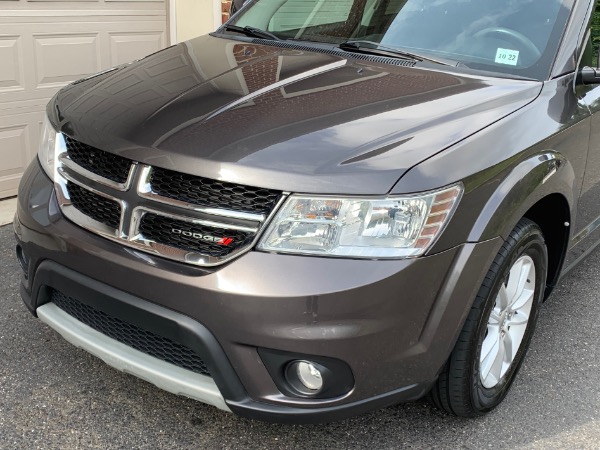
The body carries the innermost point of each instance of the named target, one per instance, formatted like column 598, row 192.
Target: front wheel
column 497, row 332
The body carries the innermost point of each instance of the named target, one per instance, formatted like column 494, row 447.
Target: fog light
column 306, row 377
column 309, row 375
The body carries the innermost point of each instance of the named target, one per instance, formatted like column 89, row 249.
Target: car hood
column 282, row 117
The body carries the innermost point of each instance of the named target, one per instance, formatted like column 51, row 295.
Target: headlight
column 394, row 227
column 50, row 148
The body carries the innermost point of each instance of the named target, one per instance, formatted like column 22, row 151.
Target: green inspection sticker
column 506, row 56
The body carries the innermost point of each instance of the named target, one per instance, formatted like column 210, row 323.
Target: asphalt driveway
column 53, row 395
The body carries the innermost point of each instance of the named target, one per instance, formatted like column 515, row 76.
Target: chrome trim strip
column 165, row 376
column 77, row 216
column 71, row 165
column 207, row 223
column 138, row 240
column 67, row 177
column 144, row 190
column 178, row 254
column 88, row 223
column 66, row 161
column 276, row 208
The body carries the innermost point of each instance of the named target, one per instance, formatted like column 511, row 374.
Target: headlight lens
column 395, row 227
column 49, row 149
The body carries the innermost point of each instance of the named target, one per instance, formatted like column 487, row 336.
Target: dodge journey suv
column 324, row 207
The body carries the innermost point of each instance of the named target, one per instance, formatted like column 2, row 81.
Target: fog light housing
column 305, row 376
column 23, row 260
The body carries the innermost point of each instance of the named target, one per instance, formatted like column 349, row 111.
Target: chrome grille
column 106, row 165
column 212, row 193
column 211, row 241
column 99, row 208
column 177, row 216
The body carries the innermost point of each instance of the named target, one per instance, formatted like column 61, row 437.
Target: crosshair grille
column 212, row 193
column 219, row 220
column 95, row 206
column 104, row 164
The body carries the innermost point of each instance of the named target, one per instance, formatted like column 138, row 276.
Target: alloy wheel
column 507, row 322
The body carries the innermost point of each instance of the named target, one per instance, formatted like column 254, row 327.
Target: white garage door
column 45, row 44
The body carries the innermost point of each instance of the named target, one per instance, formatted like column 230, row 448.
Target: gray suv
column 324, row 207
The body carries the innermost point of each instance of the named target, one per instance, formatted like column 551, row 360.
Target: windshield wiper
column 373, row 48
column 252, row 32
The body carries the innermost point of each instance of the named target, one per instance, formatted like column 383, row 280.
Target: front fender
column 531, row 180
column 510, row 165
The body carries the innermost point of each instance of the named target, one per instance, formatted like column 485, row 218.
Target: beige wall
column 195, row 17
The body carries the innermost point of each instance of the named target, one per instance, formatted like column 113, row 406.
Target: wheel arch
column 541, row 188
column 553, row 216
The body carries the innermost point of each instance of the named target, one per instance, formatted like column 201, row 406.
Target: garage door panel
column 12, row 140
column 63, row 58
column 126, row 47
column 45, row 44
column 50, row 8
column 51, row 60
column 11, row 69
column 15, row 152
column 121, row 1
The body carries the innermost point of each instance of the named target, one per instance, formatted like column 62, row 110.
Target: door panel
column 587, row 221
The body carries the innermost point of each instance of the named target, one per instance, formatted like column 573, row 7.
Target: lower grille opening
column 136, row 337
column 95, row 206
column 193, row 237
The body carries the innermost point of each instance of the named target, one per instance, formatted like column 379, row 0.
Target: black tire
column 459, row 389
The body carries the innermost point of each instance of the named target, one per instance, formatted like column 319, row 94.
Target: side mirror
column 588, row 75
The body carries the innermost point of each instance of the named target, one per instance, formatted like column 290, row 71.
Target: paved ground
column 7, row 210
column 55, row 396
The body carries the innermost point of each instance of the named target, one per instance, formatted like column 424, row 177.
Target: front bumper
column 122, row 357
column 393, row 322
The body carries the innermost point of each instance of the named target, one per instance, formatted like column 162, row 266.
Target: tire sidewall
column 531, row 244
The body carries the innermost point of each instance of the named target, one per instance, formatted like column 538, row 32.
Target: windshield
column 518, row 37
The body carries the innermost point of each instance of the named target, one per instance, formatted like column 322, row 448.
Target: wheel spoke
column 524, row 301
column 519, row 318
column 496, row 368
column 519, row 274
column 492, row 354
column 514, row 276
column 502, row 299
column 495, row 317
column 489, row 351
column 490, row 342
column 508, row 348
